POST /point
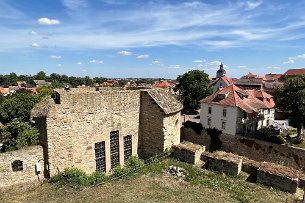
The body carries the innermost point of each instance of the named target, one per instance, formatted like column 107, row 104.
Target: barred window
column 127, row 147
column 100, row 158
column 114, row 149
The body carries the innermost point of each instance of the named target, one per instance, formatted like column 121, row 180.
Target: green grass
column 152, row 184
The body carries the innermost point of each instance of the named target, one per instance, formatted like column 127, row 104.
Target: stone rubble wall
column 254, row 149
column 231, row 165
column 276, row 178
column 188, row 152
column 29, row 157
column 81, row 120
column 158, row 131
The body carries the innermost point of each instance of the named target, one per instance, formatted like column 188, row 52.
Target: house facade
column 236, row 111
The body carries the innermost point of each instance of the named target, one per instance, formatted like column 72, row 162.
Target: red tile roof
column 300, row 71
column 227, row 80
column 4, row 90
column 250, row 75
column 164, row 84
column 236, row 97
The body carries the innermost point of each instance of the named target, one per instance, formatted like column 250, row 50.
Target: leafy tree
column 40, row 76
column 17, row 106
column 18, row 134
column 193, row 86
column 291, row 97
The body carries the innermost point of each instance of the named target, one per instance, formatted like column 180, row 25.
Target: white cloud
column 177, row 66
column 143, row 56
column 242, row 66
column 96, row 61
column 79, row 63
column 199, row 61
column 33, row 32
column 250, row 5
column 125, row 53
column 84, row 70
column 74, row 4
column 59, row 65
column 55, row 57
column 214, row 63
column 48, row 21
column 291, row 60
column 155, row 62
column 200, row 65
column 35, row 45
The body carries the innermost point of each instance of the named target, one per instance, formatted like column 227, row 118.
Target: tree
column 40, row 76
column 193, row 86
column 18, row 134
column 18, row 106
column 291, row 97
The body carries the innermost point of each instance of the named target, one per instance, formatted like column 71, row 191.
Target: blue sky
column 151, row 38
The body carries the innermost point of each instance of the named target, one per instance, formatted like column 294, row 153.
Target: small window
column 224, row 112
column 268, row 111
column 223, row 125
column 17, row 165
column 210, row 110
column 267, row 123
column 209, row 121
column 268, row 100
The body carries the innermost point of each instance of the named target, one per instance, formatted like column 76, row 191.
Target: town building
column 290, row 73
column 237, row 111
column 97, row 130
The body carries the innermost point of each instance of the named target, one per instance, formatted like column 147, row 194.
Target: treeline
column 56, row 79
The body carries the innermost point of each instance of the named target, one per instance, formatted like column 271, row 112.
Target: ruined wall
column 158, row 131
column 171, row 129
column 29, row 157
column 151, row 125
column 252, row 148
column 85, row 118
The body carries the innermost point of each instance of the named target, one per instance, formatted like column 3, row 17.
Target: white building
column 236, row 111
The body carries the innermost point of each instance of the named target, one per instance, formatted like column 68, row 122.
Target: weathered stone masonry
column 26, row 172
column 75, row 122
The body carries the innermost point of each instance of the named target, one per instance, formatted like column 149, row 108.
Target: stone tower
column 220, row 72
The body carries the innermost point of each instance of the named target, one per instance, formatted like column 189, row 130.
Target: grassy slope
column 157, row 186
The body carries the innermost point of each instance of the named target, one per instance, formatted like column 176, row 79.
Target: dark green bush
column 197, row 127
column 215, row 140
column 267, row 134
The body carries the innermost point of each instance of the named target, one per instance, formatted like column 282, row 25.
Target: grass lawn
column 152, row 184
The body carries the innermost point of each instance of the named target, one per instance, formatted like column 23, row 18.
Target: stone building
column 97, row 130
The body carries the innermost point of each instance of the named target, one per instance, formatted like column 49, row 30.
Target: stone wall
column 188, row 152
column 224, row 162
column 81, row 120
column 159, row 131
column 252, row 148
column 73, row 121
column 29, row 157
column 279, row 176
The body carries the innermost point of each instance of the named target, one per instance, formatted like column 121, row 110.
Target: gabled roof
column 300, row 71
column 273, row 76
column 165, row 100
column 236, row 97
column 226, row 80
column 250, row 75
column 163, row 84
column 260, row 94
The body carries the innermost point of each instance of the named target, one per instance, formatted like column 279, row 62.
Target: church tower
column 221, row 72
